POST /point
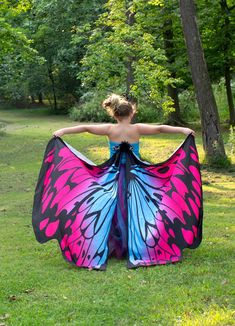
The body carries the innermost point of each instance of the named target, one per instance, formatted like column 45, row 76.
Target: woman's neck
column 124, row 122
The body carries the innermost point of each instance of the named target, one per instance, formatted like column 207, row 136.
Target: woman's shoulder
column 131, row 125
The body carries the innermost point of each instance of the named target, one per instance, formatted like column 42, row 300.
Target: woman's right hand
column 58, row 133
column 187, row 131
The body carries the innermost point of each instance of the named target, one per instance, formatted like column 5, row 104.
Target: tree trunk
column 174, row 117
column 129, row 78
column 40, row 100
column 227, row 40
column 130, row 75
column 53, row 87
column 212, row 139
column 229, row 96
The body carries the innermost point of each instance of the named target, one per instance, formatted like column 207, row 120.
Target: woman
column 122, row 111
column 125, row 206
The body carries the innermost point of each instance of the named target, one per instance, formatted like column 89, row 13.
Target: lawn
column 37, row 286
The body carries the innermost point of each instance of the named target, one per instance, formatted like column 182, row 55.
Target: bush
column 147, row 113
column 231, row 140
column 221, row 99
column 188, row 106
column 90, row 109
column 2, row 132
column 88, row 113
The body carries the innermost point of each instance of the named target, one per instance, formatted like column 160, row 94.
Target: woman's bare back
column 124, row 132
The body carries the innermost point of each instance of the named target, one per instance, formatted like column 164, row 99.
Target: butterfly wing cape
column 75, row 202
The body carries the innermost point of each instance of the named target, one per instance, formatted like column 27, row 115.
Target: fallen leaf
column 29, row 291
column 12, row 297
column 224, row 282
column 5, row 316
column 205, row 182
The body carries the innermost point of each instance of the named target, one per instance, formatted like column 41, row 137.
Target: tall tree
column 211, row 134
column 228, row 56
column 13, row 39
column 173, row 43
column 123, row 55
column 54, row 23
column 174, row 117
column 130, row 79
column 16, row 51
column 217, row 27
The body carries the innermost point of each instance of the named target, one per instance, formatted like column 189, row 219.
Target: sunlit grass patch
column 37, row 287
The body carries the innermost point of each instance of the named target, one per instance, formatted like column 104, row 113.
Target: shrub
column 90, row 109
column 148, row 113
column 2, row 132
column 188, row 106
column 231, row 140
column 88, row 113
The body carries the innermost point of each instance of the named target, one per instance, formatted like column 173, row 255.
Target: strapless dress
column 118, row 232
column 145, row 212
column 113, row 147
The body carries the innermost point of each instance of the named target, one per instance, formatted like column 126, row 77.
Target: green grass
column 37, row 287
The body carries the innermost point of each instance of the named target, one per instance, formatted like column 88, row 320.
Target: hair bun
column 113, row 101
column 118, row 106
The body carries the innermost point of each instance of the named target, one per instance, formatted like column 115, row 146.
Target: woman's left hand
column 187, row 131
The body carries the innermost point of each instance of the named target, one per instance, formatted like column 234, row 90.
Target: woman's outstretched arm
column 102, row 129
column 148, row 129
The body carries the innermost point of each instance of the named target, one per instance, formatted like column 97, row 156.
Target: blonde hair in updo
column 118, row 106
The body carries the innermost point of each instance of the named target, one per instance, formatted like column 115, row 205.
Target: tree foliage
column 113, row 41
column 62, row 50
